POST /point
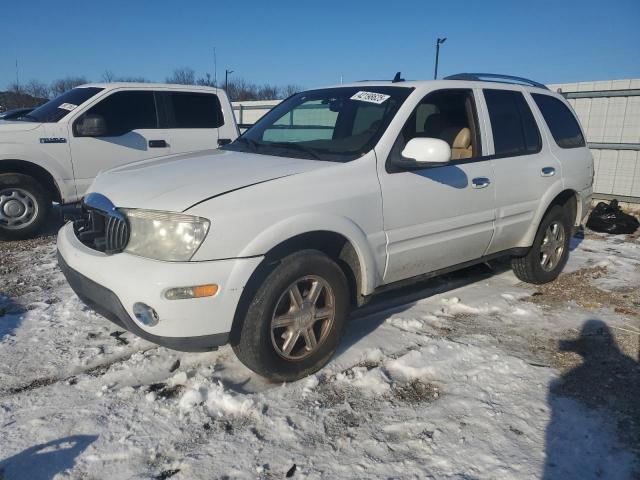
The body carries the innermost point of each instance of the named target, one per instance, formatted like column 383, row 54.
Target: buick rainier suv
column 334, row 195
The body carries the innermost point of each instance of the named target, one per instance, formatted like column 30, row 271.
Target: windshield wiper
column 247, row 141
column 295, row 146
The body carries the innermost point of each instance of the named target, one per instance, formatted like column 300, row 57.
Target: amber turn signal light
column 198, row 291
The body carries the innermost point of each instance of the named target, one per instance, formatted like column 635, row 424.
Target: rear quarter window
column 195, row 110
column 561, row 122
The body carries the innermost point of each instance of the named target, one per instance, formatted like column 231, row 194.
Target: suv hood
column 177, row 182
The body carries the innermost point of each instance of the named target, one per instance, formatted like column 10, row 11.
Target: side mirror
column 426, row 152
column 91, row 125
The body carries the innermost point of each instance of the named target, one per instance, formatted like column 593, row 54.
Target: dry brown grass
column 577, row 287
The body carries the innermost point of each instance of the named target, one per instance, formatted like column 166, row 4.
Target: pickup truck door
column 438, row 217
column 131, row 133
column 192, row 119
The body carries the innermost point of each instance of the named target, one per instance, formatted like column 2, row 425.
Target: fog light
column 145, row 314
column 197, row 291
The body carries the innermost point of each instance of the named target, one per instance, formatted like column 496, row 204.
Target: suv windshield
column 55, row 109
column 334, row 124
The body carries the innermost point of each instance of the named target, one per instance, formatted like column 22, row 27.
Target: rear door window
column 194, row 110
column 515, row 131
column 561, row 122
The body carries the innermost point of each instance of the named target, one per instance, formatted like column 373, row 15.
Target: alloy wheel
column 302, row 318
column 552, row 246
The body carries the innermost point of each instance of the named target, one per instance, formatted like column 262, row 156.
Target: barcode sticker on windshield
column 371, row 97
column 67, row 106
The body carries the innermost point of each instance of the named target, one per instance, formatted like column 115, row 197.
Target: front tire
column 550, row 250
column 24, row 206
column 296, row 319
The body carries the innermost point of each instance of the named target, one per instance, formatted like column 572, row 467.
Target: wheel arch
column 315, row 229
column 336, row 245
column 568, row 199
column 42, row 175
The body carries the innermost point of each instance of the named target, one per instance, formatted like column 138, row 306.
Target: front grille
column 102, row 229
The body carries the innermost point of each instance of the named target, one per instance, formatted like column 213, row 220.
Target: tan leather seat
column 459, row 139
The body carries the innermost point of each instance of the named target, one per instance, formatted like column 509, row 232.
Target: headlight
column 172, row 237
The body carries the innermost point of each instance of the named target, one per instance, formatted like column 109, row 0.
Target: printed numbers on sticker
column 371, row 97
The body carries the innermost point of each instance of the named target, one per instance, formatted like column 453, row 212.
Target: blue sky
column 315, row 43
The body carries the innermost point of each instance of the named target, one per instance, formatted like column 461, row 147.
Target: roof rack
column 495, row 77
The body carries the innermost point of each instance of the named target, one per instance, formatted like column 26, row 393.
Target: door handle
column 548, row 172
column 224, row 141
column 158, row 144
column 480, row 182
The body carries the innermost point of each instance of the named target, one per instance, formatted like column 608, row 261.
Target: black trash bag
column 610, row 219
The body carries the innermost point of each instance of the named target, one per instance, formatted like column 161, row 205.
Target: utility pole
column 439, row 42
column 226, row 79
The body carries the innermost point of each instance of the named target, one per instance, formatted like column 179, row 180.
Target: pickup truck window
column 514, row 129
column 59, row 107
column 333, row 124
column 126, row 111
column 195, row 110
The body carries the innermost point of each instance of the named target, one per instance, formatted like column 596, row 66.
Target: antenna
column 215, row 68
column 17, row 76
column 397, row 78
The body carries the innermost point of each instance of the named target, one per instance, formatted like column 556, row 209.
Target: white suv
column 54, row 152
column 332, row 196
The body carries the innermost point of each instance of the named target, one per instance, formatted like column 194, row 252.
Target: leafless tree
column 289, row 90
column 206, row 81
column 36, row 89
column 108, row 76
column 17, row 96
column 15, row 88
column 267, row 92
column 183, row 76
column 60, row 86
column 239, row 89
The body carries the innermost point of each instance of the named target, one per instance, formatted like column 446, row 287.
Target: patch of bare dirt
column 577, row 287
column 416, row 391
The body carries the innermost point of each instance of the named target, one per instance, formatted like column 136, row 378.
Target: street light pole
column 226, row 78
column 439, row 42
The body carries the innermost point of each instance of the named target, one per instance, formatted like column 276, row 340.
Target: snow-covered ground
column 459, row 377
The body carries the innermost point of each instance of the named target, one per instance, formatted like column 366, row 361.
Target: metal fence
column 609, row 112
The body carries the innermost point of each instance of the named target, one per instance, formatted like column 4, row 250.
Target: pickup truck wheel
column 24, row 206
column 296, row 319
column 550, row 250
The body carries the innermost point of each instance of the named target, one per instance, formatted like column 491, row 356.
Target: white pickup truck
column 53, row 153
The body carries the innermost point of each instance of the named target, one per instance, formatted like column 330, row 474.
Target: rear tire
column 296, row 319
column 550, row 250
column 24, row 206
